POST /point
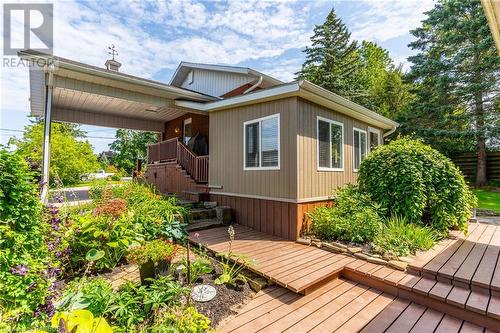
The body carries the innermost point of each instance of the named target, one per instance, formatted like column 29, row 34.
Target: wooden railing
column 176, row 150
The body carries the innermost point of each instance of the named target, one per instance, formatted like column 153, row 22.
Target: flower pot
column 151, row 270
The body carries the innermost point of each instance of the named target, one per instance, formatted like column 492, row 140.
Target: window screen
column 262, row 143
column 270, row 142
column 359, row 147
column 330, row 145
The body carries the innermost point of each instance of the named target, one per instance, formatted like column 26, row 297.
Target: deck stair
column 307, row 269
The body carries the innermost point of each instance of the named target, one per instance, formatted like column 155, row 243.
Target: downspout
column 259, row 82
column 392, row 130
column 46, row 133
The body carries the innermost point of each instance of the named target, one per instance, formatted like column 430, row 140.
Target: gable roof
column 185, row 67
column 303, row 89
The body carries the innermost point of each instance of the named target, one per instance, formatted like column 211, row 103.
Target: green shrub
column 401, row 238
column 178, row 319
column 353, row 218
column 24, row 256
column 410, row 179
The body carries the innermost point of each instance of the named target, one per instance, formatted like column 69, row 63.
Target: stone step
column 201, row 214
column 203, row 224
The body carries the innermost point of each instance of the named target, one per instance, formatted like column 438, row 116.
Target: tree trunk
column 481, row 173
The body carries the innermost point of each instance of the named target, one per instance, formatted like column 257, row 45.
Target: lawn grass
column 488, row 199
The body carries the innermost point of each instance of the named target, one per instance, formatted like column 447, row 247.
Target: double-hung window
column 330, row 145
column 262, row 143
column 360, row 143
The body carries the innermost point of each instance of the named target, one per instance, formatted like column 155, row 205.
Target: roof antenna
column 112, row 64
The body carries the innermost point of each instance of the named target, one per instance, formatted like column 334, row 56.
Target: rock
column 333, row 248
column 400, row 265
column 375, row 260
column 316, row 240
column 361, row 255
column 407, row 259
column 354, row 249
column 316, row 243
column 224, row 214
column 304, row 241
column 337, row 244
column 257, row 284
column 389, row 256
column 210, row 204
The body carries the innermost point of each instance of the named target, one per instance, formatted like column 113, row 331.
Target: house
column 270, row 150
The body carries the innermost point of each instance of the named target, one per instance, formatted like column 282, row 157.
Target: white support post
column 46, row 134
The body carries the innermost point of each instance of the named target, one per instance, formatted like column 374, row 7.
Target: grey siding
column 215, row 83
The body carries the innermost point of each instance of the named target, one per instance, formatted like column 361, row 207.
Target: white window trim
column 354, row 130
column 259, row 120
column 379, row 136
column 330, row 122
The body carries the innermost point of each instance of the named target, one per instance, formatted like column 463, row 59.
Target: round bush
column 410, row 179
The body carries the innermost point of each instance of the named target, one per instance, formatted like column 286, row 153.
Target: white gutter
column 389, row 132
column 259, row 82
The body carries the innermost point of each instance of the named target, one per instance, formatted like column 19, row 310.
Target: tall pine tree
column 457, row 72
column 332, row 61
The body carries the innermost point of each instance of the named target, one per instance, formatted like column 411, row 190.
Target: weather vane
column 113, row 51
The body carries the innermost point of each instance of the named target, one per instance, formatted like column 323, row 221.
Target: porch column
column 46, row 133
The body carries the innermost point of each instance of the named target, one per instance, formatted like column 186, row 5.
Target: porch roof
column 91, row 95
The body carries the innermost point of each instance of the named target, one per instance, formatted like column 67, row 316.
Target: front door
column 186, row 132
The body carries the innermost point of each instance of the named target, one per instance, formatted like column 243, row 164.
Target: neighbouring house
column 270, row 150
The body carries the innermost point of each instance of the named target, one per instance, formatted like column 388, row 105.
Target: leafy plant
column 178, row 319
column 153, row 251
column 26, row 265
column 402, row 238
column 200, row 266
column 354, row 217
column 80, row 321
column 410, row 179
column 93, row 294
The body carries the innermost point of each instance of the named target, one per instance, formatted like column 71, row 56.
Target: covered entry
column 69, row 91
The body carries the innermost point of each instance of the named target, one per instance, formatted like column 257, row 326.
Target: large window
column 359, row 147
column 262, row 143
column 330, row 145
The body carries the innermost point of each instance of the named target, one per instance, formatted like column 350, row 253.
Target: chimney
column 112, row 65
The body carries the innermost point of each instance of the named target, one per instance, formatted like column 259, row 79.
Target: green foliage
column 157, row 216
column 138, row 305
column 93, row 294
column 353, row 218
column 154, row 251
column 232, row 265
column 488, row 199
column 456, row 74
column 178, row 319
column 410, row 179
column 69, row 156
column 332, row 60
column 200, row 266
column 401, row 238
column 108, row 234
column 24, row 256
column 130, row 146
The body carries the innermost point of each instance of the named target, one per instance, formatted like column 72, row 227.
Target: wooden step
column 203, row 224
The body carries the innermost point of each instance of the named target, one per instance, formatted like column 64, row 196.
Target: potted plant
column 153, row 258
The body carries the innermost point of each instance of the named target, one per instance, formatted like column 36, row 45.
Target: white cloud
column 383, row 20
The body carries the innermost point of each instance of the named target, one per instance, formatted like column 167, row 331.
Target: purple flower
column 59, row 198
column 20, row 270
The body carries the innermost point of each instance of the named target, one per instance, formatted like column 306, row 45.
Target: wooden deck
column 340, row 306
column 294, row 266
column 326, row 279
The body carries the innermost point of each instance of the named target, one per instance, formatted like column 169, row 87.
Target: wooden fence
column 468, row 164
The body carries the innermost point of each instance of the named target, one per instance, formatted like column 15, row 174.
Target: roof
column 110, row 74
column 185, row 67
column 303, row 89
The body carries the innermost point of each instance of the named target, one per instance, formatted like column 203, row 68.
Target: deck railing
column 176, row 150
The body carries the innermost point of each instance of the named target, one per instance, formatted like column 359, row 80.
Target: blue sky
column 153, row 37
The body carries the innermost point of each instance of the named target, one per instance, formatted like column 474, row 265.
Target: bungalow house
column 270, row 150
